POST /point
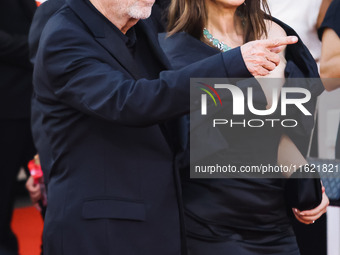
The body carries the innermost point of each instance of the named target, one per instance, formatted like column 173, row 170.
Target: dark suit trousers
column 16, row 148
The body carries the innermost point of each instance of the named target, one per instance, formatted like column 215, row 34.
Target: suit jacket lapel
column 120, row 52
column 102, row 30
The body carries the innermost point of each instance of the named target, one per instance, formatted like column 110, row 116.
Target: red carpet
column 27, row 224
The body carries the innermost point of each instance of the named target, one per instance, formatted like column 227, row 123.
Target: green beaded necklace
column 215, row 42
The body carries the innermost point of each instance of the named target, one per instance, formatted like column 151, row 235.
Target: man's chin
column 142, row 13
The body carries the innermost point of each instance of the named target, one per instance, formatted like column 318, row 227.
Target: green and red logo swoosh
column 210, row 94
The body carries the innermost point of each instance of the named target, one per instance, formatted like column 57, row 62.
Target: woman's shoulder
column 297, row 55
column 274, row 30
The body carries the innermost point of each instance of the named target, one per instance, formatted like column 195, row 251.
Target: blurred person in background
column 329, row 33
column 304, row 16
column 15, row 95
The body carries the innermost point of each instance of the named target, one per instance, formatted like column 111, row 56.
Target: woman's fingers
column 301, row 218
column 309, row 216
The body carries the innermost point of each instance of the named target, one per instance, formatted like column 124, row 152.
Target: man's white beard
column 138, row 12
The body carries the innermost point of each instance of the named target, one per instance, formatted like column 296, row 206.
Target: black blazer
column 15, row 69
column 113, row 185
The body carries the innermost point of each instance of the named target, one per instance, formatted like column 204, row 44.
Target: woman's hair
column 191, row 16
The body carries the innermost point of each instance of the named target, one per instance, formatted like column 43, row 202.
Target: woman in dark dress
column 241, row 216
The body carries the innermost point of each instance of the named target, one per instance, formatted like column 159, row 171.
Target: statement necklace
column 215, row 42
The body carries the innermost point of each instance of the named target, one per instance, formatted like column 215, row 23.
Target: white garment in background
column 302, row 16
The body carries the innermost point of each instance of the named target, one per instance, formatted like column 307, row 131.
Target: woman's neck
column 224, row 24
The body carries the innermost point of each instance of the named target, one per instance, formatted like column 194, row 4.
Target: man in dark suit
column 15, row 95
column 41, row 16
column 106, row 110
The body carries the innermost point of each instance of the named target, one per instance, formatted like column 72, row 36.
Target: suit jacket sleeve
column 78, row 76
column 14, row 49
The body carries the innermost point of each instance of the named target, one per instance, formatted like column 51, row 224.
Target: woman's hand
column 310, row 216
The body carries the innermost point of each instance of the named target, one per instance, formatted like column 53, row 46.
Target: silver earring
column 244, row 3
